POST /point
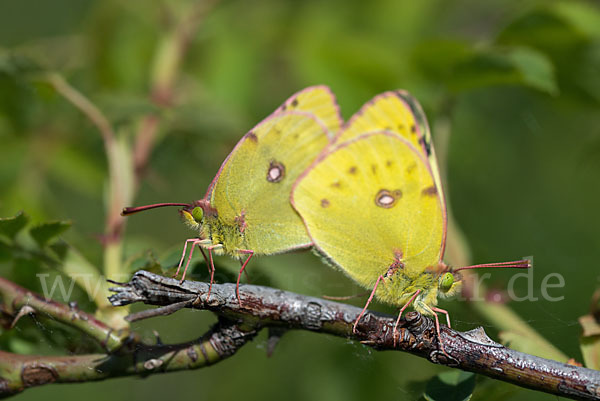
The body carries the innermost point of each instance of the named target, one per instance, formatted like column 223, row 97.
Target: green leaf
column 454, row 385
column 535, row 69
column 45, row 232
column 10, row 226
column 514, row 66
column 585, row 18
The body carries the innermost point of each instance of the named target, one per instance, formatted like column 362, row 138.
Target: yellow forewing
column 319, row 101
column 253, row 186
column 397, row 112
column 370, row 202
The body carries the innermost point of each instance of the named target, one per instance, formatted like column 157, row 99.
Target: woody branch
column 277, row 310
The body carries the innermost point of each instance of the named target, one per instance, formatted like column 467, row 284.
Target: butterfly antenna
column 516, row 264
column 131, row 210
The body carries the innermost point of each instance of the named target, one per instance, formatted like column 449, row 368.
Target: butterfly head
column 449, row 282
column 196, row 213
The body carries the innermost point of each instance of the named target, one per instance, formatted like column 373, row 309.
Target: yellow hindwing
column 371, row 202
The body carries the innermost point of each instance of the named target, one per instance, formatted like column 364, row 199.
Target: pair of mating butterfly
column 366, row 195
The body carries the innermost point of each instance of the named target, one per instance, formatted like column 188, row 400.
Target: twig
column 88, row 108
column 267, row 307
column 18, row 301
column 19, row 372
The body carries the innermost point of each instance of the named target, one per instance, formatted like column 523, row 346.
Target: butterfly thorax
column 225, row 233
column 398, row 288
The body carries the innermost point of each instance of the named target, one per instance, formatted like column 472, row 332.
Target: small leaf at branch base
column 10, row 226
column 45, row 232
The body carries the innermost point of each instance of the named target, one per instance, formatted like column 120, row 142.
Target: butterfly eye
column 198, row 214
column 446, row 282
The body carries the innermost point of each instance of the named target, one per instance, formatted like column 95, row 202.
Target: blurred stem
column 116, row 172
column 457, row 246
column 93, row 113
column 459, row 254
column 113, row 269
column 172, row 49
column 507, row 320
column 166, row 67
column 85, row 106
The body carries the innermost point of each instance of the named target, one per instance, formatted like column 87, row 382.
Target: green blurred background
column 511, row 89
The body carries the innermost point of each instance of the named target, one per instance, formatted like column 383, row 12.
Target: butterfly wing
column 320, row 101
column 369, row 202
column 398, row 112
column 254, row 183
column 317, row 100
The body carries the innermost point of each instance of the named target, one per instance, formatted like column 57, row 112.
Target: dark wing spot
column 352, row 170
column 413, row 129
column 388, row 163
column 276, row 171
column 411, row 168
column 336, row 184
column 400, row 127
column 252, row 136
column 429, row 191
column 387, row 128
column 294, row 102
column 283, row 107
column 426, row 145
column 386, row 199
column 374, row 168
column 325, row 202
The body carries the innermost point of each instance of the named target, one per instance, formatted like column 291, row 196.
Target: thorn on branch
column 25, row 310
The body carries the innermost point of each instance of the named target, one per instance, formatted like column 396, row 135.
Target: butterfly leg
column 434, row 310
column 237, row 287
column 395, row 333
column 211, row 268
column 445, row 312
column 194, row 241
column 367, row 304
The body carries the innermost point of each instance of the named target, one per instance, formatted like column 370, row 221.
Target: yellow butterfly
column 373, row 207
column 246, row 209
